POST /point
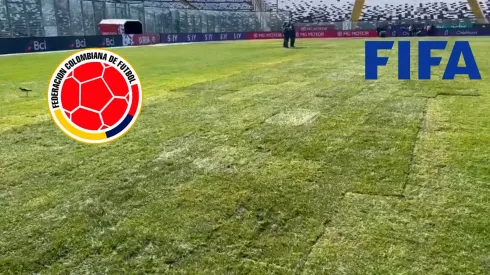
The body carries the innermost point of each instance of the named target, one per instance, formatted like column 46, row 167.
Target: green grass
column 253, row 159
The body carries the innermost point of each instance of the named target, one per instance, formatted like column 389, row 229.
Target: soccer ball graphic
column 95, row 96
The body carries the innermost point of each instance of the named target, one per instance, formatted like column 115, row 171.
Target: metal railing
column 20, row 18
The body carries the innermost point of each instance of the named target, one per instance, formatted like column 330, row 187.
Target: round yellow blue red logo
column 95, row 96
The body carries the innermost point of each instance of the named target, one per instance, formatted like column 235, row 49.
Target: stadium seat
column 220, row 5
column 380, row 10
column 485, row 7
column 20, row 18
column 169, row 4
column 25, row 19
column 308, row 11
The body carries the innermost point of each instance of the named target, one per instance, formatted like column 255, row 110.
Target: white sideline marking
column 47, row 52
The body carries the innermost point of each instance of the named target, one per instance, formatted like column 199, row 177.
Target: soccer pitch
column 248, row 158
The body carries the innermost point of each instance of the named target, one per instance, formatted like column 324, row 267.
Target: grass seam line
column 300, row 266
column 421, row 125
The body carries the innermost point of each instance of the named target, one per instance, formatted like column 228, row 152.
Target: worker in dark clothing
column 285, row 34
column 432, row 30
column 292, row 34
column 381, row 31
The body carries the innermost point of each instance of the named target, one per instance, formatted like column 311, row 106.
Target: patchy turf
column 252, row 159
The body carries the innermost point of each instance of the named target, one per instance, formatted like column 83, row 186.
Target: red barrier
column 107, row 29
column 140, row 39
column 319, row 34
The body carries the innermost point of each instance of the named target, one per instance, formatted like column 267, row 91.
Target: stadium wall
column 45, row 44
column 403, row 32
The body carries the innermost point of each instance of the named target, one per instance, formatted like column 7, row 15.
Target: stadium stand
column 391, row 10
column 20, row 18
column 306, row 11
column 485, row 7
column 220, row 5
column 169, row 4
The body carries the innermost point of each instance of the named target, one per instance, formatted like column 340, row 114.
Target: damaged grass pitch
column 248, row 159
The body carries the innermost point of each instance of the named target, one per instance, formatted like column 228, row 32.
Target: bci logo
column 80, row 43
column 108, row 42
column 425, row 59
column 37, row 46
column 40, row 46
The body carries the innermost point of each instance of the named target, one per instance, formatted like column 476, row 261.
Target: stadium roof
column 117, row 21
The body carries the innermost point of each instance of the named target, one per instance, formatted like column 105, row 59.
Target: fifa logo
column 425, row 59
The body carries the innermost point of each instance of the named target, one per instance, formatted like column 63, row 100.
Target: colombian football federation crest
column 95, row 96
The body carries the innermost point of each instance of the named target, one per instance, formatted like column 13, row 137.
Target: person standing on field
column 292, row 34
column 285, row 34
